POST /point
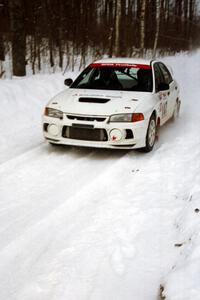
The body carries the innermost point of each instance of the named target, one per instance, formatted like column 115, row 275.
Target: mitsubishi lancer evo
column 113, row 103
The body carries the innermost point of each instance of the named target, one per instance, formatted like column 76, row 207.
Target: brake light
column 137, row 117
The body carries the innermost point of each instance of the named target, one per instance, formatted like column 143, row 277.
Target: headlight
column 121, row 118
column 127, row 117
column 54, row 113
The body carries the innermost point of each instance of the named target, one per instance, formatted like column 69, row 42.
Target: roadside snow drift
column 79, row 224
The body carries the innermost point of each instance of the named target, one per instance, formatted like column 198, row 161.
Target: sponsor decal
column 114, row 138
column 163, row 109
column 126, row 65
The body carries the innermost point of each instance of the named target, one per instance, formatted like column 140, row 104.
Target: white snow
column 79, row 224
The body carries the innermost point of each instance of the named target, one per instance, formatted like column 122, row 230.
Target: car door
column 172, row 93
column 162, row 96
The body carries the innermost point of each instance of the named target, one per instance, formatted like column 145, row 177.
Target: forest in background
column 58, row 29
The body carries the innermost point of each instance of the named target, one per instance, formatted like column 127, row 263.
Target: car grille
column 85, row 134
column 86, row 118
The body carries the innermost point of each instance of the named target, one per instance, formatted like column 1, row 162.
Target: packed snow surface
column 80, row 223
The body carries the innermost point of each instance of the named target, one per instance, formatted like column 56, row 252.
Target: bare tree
column 117, row 26
column 18, row 37
column 2, row 56
column 158, row 12
column 72, row 28
column 142, row 26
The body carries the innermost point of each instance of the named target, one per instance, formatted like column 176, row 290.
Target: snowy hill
column 83, row 224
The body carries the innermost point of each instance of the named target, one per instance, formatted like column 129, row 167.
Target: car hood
column 96, row 102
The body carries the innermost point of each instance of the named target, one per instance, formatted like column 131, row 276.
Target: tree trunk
column 60, row 46
column 18, row 37
column 142, row 26
column 110, row 40
column 158, row 8
column 185, row 19
column 2, row 52
column 117, row 27
column 2, row 56
column 49, row 21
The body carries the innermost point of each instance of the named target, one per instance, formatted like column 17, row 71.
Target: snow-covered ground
column 80, row 224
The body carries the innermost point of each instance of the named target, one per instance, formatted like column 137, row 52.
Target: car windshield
column 124, row 77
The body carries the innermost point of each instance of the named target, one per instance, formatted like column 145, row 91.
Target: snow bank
column 22, row 104
column 182, row 282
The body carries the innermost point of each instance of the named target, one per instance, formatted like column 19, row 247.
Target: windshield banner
column 125, row 65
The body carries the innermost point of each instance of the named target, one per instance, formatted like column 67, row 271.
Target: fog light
column 116, row 135
column 53, row 129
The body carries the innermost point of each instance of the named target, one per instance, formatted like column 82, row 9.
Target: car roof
column 125, row 60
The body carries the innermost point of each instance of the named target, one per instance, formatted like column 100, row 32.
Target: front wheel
column 151, row 134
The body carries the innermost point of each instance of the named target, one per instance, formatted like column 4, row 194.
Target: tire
column 151, row 134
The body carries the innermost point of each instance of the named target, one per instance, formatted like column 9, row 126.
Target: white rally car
column 114, row 103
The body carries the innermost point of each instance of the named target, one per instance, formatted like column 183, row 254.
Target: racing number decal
column 164, row 109
column 163, row 105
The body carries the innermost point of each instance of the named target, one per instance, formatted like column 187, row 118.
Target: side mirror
column 68, row 81
column 163, row 86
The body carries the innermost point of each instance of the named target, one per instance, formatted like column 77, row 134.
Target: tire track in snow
column 79, row 211
column 36, row 230
column 37, row 175
column 33, row 230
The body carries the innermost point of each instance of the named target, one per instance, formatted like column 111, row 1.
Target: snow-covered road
column 79, row 224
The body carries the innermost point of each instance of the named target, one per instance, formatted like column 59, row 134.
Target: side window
column 158, row 76
column 166, row 74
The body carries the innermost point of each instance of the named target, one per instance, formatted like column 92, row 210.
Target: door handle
column 168, row 93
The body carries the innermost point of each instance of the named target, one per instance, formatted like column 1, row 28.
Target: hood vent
column 93, row 100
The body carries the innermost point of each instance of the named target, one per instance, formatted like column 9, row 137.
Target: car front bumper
column 90, row 132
